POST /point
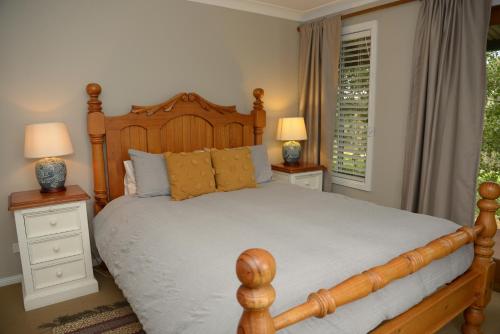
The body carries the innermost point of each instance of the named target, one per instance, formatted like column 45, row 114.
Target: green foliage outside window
column 489, row 165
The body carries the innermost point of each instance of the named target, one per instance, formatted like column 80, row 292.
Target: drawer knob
column 59, row 273
column 53, row 222
column 56, row 249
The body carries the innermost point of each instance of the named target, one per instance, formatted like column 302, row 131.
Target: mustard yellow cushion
column 190, row 174
column 233, row 168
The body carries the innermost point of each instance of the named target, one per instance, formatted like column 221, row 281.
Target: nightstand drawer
column 52, row 222
column 55, row 249
column 308, row 176
column 58, row 274
column 310, row 181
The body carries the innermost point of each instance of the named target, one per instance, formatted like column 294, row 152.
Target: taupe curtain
column 319, row 49
column 446, row 109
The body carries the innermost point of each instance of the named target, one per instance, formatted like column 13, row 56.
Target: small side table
column 53, row 235
column 304, row 175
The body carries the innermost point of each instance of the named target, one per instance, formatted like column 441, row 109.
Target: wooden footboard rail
column 256, row 268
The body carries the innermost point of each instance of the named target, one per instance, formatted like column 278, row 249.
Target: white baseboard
column 4, row 281
column 57, row 294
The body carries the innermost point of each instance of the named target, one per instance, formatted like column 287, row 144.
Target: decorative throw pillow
column 263, row 172
column 150, row 173
column 190, row 174
column 233, row 168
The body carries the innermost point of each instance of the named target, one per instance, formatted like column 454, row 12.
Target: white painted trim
column 366, row 184
column 255, row 6
column 4, row 281
column 339, row 6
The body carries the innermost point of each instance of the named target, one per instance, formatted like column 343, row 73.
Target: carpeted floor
column 14, row 320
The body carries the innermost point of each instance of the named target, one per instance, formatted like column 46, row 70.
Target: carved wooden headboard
column 185, row 123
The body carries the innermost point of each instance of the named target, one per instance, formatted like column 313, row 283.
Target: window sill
column 365, row 186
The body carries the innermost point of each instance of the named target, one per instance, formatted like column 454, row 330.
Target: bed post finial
column 255, row 269
column 259, row 115
column 96, row 131
column 483, row 255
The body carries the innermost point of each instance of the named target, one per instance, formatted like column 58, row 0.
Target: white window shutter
column 352, row 142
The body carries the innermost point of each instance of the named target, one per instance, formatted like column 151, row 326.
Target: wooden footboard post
column 483, row 260
column 256, row 269
column 96, row 131
column 259, row 115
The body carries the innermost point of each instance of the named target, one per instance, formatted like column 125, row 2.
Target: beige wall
column 396, row 30
column 142, row 52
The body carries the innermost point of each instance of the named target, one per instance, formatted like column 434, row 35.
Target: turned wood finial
column 258, row 93
column 255, row 269
column 258, row 105
column 487, row 205
column 489, row 190
column 94, row 104
column 93, row 89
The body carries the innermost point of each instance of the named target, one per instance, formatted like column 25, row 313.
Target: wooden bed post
column 256, row 269
column 483, row 260
column 96, row 131
column 259, row 115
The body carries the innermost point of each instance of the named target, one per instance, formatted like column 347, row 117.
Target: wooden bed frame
column 188, row 122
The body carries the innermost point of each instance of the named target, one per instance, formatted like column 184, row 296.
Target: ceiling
column 296, row 10
column 300, row 5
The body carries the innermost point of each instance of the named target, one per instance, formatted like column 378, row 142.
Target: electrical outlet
column 15, row 248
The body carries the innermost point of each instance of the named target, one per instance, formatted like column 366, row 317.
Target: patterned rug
column 109, row 319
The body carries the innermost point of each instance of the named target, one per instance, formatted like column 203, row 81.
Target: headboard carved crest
column 185, row 97
column 186, row 122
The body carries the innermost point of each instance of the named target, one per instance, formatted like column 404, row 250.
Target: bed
column 174, row 261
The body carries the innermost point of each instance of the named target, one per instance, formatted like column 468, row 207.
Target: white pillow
column 129, row 179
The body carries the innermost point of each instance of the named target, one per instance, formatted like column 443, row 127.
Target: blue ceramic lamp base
column 51, row 174
column 291, row 152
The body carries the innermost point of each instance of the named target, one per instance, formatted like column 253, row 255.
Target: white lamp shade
column 46, row 140
column 291, row 128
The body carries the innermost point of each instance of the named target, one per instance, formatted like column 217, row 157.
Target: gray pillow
column 150, row 173
column 261, row 164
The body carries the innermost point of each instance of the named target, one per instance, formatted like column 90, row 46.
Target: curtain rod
column 373, row 9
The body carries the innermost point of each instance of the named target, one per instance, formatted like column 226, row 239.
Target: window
column 353, row 133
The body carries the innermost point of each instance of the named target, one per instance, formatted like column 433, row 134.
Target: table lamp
column 48, row 141
column 291, row 130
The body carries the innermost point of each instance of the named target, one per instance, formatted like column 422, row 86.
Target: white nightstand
column 307, row 176
column 53, row 236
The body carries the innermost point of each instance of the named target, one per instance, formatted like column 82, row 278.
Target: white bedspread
column 175, row 261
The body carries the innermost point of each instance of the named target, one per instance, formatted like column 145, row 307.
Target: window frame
column 366, row 184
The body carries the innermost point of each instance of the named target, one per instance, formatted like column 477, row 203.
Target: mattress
column 175, row 261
